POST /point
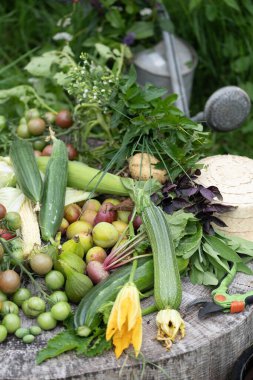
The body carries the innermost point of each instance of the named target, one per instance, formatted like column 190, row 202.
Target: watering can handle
column 174, row 67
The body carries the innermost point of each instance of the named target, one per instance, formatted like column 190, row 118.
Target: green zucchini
column 87, row 312
column 26, row 170
column 53, row 199
column 106, row 291
column 167, row 282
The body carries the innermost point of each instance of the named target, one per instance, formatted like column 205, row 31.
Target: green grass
column 222, row 34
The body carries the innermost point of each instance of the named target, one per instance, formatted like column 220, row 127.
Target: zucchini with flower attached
column 53, row 199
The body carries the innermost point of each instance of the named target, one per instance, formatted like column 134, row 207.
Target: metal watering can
column 171, row 64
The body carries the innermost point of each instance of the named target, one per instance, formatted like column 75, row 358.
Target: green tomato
column 13, row 220
column 61, row 311
column 2, row 122
column 17, row 256
column 58, row 296
column 12, row 322
column 28, row 338
column 21, row 332
column 35, row 330
column 36, row 304
column 3, row 333
column 21, row 295
column 9, row 307
column 39, row 145
column 23, row 131
column 32, row 113
column 28, row 312
column 46, row 321
column 54, row 280
column 3, row 297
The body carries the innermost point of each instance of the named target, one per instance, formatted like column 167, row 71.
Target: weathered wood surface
column 206, row 353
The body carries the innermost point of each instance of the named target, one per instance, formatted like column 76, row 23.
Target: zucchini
column 87, row 312
column 106, row 291
column 167, row 282
column 53, row 199
column 26, row 170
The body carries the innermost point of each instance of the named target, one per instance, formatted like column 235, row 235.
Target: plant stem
column 149, row 310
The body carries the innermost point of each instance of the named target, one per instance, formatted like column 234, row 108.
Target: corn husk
column 14, row 200
column 74, row 196
column 30, row 231
column 7, row 175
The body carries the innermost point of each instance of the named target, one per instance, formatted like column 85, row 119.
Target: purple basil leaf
column 168, row 187
column 206, row 193
column 187, row 192
column 216, row 192
column 194, row 209
column 217, row 221
column 216, row 207
column 207, row 228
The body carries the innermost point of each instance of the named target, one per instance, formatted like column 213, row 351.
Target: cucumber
column 52, row 209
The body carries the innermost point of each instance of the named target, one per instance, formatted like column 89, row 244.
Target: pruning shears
column 221, row 300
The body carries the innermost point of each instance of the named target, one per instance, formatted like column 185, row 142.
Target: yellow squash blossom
column 170, row 326
column 125, row 321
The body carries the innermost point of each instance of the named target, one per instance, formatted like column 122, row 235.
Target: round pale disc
column 233, row 175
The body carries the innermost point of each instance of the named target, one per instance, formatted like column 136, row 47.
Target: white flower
column 62, row 36
column 145, row 12
column 66, row 22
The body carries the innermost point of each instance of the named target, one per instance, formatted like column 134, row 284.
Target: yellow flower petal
column 137, row 336
column 170, row 326
column 125, row 321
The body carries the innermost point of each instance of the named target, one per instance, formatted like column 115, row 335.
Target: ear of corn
column 52, row 209
column 83, row 177
column 26, row 170
column 30, row 231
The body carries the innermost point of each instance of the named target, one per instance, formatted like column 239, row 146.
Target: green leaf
column 190, row 244
column 131, row 79
column 196, row 276
column 151, row 92
column 65, row 341
column 222, row 249
column 41, row 66
column 241, row 267
column 232, row 4
column 104, row 50
column 94, row 346
column 209, row 279
column 142, row 29
column 213, row 254
column 194, row 4
column 114, row 17
column 241, row 64
column 211, row 11
column 20, row 92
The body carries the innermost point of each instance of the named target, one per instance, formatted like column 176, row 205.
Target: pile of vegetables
column 80, row 246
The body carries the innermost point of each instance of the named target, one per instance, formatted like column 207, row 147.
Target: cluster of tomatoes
column 34, row 125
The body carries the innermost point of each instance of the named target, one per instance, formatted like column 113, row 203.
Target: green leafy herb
column 67, row 340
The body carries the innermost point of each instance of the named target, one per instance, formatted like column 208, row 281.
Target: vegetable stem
column 149, row 310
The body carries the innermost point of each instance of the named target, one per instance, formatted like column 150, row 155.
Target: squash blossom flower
column 170, row 326
column 125, row 321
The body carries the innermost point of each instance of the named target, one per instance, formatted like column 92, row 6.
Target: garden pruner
column 222, row 301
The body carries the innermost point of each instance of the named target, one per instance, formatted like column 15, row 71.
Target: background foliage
column 220, row 31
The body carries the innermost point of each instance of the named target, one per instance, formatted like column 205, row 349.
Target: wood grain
column 208, row 351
